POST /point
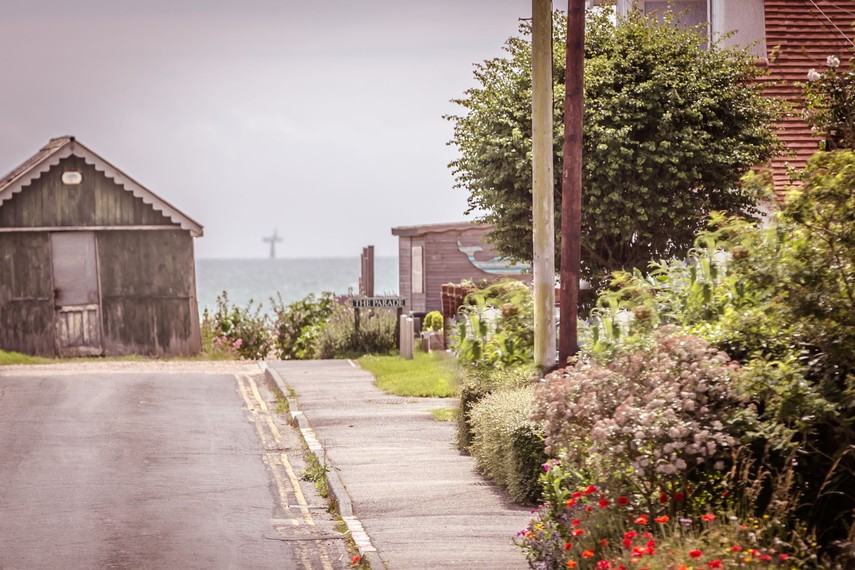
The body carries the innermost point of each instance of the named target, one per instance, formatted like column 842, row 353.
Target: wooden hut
column 432, row 255
column 92, row 262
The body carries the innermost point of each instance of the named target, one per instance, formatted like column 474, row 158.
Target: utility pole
column 571, row 180
column 543, row 203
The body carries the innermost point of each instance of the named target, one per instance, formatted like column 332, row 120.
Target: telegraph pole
column 543, row 203
column 571, row 180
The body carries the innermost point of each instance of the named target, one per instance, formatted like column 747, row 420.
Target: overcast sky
column 320, row 119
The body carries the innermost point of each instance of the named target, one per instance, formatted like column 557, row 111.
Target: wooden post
column 369, row 271
column 543, row 204
column 398, row 314
column 571, row 180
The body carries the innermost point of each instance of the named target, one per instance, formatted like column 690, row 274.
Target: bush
column 476, row 383
column 339, row 339
column 653, row 417
column 830, row 104
column 594, row 527
column 433, row 322
column 296, row 327
column 506, row 444
column 495, row 326
column 245, row 331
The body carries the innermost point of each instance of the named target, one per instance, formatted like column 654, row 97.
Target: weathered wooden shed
column 92, row 262
column 434, row 254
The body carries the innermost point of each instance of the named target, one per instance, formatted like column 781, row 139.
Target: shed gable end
column 97, row 200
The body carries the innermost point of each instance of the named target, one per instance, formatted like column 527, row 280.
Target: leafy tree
column 671, row 125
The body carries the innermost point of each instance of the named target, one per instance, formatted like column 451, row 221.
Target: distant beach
column 260, row 279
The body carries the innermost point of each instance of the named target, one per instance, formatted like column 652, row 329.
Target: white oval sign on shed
column 72, row 178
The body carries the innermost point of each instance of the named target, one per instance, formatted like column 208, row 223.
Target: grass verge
column 444, row 414
column 426, row 375
column 7, row 358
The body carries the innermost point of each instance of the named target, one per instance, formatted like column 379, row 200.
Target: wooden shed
column 432, row 255
column 92, row 262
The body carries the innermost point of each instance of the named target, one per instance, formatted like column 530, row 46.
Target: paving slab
column 421, row 501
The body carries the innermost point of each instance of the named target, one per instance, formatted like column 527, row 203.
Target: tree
column 671, row 125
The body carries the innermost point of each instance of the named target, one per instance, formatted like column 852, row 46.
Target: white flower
column 813, row 75
column 832, row 61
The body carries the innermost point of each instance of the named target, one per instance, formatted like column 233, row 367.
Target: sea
column 258, row 280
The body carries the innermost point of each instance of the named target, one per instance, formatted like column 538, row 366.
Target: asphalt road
column 154, row 470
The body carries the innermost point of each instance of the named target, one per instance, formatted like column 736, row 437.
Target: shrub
column 653, row 417
column 296, row 327
column 590, row 526
column 506, row 444
column 830, row 104
column 245, row 330
column 495, row 326
column 433, row 321
column 339, row 339
column 476, row 383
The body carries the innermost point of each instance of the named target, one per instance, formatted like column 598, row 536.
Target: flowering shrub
column 243, row 331
column 830, row 104
column 338, row 337
column 653, row 415
column 495, row 326
column 592, row 528
column 296, row 327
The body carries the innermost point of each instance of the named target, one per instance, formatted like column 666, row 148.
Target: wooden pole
column 543, row 204
column 571, row 180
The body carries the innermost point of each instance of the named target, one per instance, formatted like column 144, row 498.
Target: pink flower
column 238, row 343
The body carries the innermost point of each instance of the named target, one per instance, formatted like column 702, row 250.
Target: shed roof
column 61, row 147
column 410, row 231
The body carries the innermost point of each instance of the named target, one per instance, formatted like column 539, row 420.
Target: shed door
column 76, row 296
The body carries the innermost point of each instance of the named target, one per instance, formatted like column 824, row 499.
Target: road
column 138, row 466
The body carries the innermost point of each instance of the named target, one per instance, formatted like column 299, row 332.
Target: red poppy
column 708, row 517
column 630, row 534
column 627, row 542
column 578, row 532
column 714, row 564
column 663, row 498
column 765, row 558
column 642, row 519
column 603, row 503
column 696, row 553
column 783, row 557
column 604, row 565
column 355, row 559
column 587, row 554
column 567, row 546
column 571, row 564
column 736, row 548
column 622, row 500
column 576, row 522
column 570, row 502
column 603, row 542
column 663, row 519
column 590, row 489
column 577, row 494
column 589, row 508
column 679, row 497
column 651, row 543
column 639, row 551
column 646, row 535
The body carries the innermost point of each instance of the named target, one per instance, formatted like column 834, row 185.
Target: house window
column 691, row 12
column 737, row 22
column 418, row 273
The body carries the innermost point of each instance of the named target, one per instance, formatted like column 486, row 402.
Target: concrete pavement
column 421, row 502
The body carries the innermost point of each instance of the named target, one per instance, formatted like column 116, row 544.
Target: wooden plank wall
column 444, row 263
column 96, row 201
column 26, row 294
column 148, row 293
column 405, row 265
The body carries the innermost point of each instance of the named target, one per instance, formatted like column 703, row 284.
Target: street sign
column 378, row 302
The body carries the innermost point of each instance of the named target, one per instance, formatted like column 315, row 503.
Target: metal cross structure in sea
column 272, row 241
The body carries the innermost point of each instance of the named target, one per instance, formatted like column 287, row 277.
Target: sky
column 319, row 119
